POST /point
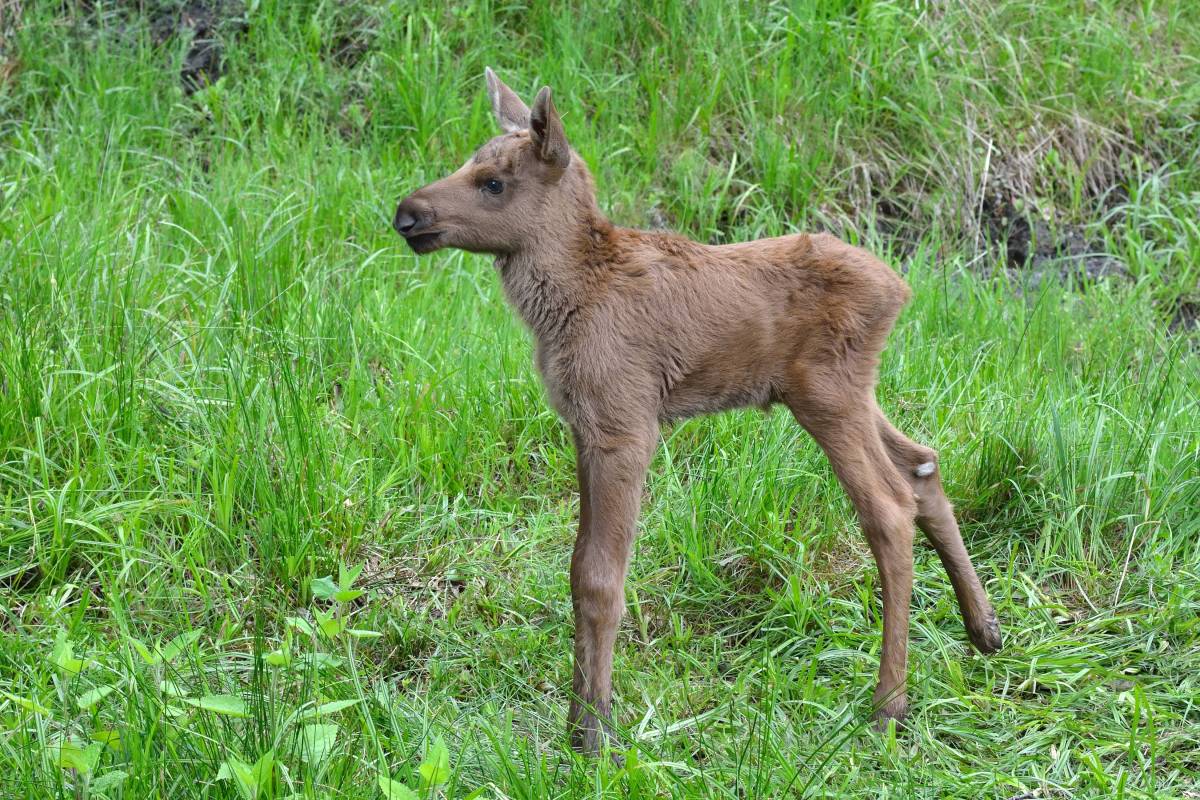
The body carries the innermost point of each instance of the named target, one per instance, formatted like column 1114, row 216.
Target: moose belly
column 729, row 384
column 734, row 369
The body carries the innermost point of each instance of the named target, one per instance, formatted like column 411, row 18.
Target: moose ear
column 511, row 112
column 546, row 131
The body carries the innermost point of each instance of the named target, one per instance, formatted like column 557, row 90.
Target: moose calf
column 636, row 328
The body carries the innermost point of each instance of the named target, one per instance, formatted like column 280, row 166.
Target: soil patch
column 1032, row 244
column 1185, row 317
column 200, row 21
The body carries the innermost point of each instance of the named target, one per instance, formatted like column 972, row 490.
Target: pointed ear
column 511, row 112
column 546, row 131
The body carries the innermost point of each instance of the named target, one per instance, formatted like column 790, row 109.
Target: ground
column 284, row 512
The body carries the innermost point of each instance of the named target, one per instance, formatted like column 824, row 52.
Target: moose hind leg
column 885, row 511
column 935, row 517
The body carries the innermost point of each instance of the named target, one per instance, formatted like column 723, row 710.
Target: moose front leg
column 611, row 475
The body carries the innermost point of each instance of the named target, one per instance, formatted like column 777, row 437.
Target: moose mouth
column 424, row 242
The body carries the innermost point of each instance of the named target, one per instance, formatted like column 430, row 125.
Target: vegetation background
column 283, row 511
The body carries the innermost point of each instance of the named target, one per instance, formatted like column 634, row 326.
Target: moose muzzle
column 413, row 220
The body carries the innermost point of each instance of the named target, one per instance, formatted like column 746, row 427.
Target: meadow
column 284, row 511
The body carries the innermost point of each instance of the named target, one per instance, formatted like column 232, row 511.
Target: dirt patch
column 10, row 17
column 352, row 34
column 1032, row 244
column 10, row 12
column 202, row 22
column 1185, row 317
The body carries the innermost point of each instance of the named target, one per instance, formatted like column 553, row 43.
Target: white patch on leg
column 925, row 470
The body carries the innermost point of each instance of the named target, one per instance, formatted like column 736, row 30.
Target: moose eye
column 493, row 186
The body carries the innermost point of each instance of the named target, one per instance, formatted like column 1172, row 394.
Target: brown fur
column 635, row 329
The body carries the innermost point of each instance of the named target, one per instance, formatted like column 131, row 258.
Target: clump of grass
column 221, row 379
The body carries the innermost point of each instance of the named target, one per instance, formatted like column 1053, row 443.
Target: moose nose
column 404, row 221
column 411, row 217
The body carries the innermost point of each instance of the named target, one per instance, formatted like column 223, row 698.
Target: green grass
column 222, row 376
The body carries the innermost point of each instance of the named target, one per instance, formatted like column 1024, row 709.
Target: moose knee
column 598, row 599
column 890, row 521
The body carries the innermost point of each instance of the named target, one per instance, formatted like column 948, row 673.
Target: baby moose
column 635, row 329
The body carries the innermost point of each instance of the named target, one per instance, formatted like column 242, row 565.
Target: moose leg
column 935, row 517
column 886, row 510
column 612, row 473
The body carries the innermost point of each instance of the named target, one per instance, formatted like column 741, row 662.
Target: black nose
column 413, row 215
column 405, row 220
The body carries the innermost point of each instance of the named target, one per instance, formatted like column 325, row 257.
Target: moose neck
column 554, row 275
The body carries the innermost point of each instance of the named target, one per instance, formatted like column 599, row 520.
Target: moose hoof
column 590, row 735
column 894, row 710
column 986, row 636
